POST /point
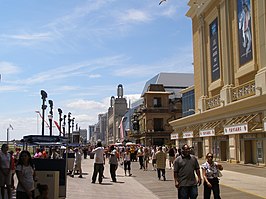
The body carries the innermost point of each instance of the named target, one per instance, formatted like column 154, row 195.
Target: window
column 158, row 124
column 157, row 102
column 188, row 103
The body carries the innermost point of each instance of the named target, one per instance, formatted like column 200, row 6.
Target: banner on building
column 214, row 50
column 244, row 31
column 174, row 136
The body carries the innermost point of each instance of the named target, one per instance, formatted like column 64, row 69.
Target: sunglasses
column 210, row 156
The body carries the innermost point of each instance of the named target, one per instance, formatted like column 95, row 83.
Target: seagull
column 161, row 2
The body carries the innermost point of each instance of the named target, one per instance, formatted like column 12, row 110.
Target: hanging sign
column 188, row 134
column 174, row 136
column 207, row 132
column 241, row 128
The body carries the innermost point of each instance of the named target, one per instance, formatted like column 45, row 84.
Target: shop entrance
column 223, row 150
column 250, row 152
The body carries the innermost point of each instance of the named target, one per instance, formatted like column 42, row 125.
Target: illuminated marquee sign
column 242, row 128
column 188, row 134
column 174, row 136
column 207, row 132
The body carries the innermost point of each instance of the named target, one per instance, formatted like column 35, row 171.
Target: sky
column 80, row 51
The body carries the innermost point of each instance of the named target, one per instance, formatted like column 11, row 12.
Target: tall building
column 229, row 48
column 117, row 109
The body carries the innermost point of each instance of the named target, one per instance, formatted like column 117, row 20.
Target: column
column 260, row 78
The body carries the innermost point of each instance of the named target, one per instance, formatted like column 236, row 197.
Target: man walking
column 98, row 163
column 161, row 163
column 185, row 180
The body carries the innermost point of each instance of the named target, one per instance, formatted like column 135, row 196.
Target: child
column 43, row 190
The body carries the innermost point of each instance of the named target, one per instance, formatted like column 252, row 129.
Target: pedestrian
column 113, row 161
column 13, row 169
column 161, row 163
column 5, row 171
column 153, row 157
column 127, row 162
column 211, row 173
column 98, row 163
column 146, row 157
column 140, row 156
column 77, row 163
column 171, row 153
column 185, row 181
column 26, row 176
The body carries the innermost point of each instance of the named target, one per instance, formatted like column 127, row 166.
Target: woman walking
column 211, row 172
column 26, row 175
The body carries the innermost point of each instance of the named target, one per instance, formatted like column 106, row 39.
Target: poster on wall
column 244, row 31
column 214, row 50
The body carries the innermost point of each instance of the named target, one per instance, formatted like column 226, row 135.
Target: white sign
column 188, row 134
column 264, row 126
column 174, row 136
column 242, row 128
column 207, row 132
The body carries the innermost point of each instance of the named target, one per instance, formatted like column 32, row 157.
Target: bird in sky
column 161, row 2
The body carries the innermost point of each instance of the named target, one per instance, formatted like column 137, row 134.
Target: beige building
column 229, row 48
column 154, row 115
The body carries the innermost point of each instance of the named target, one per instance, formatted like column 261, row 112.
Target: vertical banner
column 214, row 50
column 244, row 31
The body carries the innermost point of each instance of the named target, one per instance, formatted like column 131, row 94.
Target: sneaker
column 80, row 176
column 130, row 174
column 93, row 182
column 72, row 176
column 164, row 179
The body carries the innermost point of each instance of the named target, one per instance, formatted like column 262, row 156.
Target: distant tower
column 112, row 101
column 120, row 91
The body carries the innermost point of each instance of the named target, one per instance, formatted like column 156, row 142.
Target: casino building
column 229, row 52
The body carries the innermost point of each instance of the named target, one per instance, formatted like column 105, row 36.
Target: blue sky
column 80, row 51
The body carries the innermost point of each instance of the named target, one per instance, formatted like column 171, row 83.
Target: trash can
column 92, row 155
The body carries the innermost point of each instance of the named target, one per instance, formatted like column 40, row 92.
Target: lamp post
column 44, row 96
column 69, row 125
column 50, row 116
column 7, row 133
column 73, row 119
column 64, row 125
column 60, row 119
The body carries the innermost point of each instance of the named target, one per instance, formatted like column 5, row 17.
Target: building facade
column 116, row 111
column 229, row 48
column 153, row 116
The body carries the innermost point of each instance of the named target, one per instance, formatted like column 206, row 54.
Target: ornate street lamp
column 73, row 119
column 44, row 96
column 69, row 125
column 64, row 125
column 50, row 116
column 60, row 119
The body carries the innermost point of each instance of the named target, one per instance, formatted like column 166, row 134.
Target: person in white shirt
column 98, row 163
column 77, row 163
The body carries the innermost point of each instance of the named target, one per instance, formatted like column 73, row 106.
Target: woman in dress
column 26, row 175
column 211, row 172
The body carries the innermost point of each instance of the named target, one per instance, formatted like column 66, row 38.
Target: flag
column 121, row 130
column 42, row 118
column 57, row 125
column 10, row 126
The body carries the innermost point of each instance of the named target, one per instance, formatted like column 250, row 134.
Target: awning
column 241, row 119
column 212, row 127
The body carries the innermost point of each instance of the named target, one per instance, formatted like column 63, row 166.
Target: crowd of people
column 183, row 162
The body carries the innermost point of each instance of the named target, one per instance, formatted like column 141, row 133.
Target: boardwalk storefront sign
column 188, row 134
column 174, row 136
column 242, row 128
column 207, row 132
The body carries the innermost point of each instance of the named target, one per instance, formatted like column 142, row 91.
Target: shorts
column 5, row 180
column 171, row 158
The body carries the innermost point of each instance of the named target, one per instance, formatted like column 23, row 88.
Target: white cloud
column 29, row 37
column 133, row 15
column 8, row 68
column 87, row 105
column 94, row 76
